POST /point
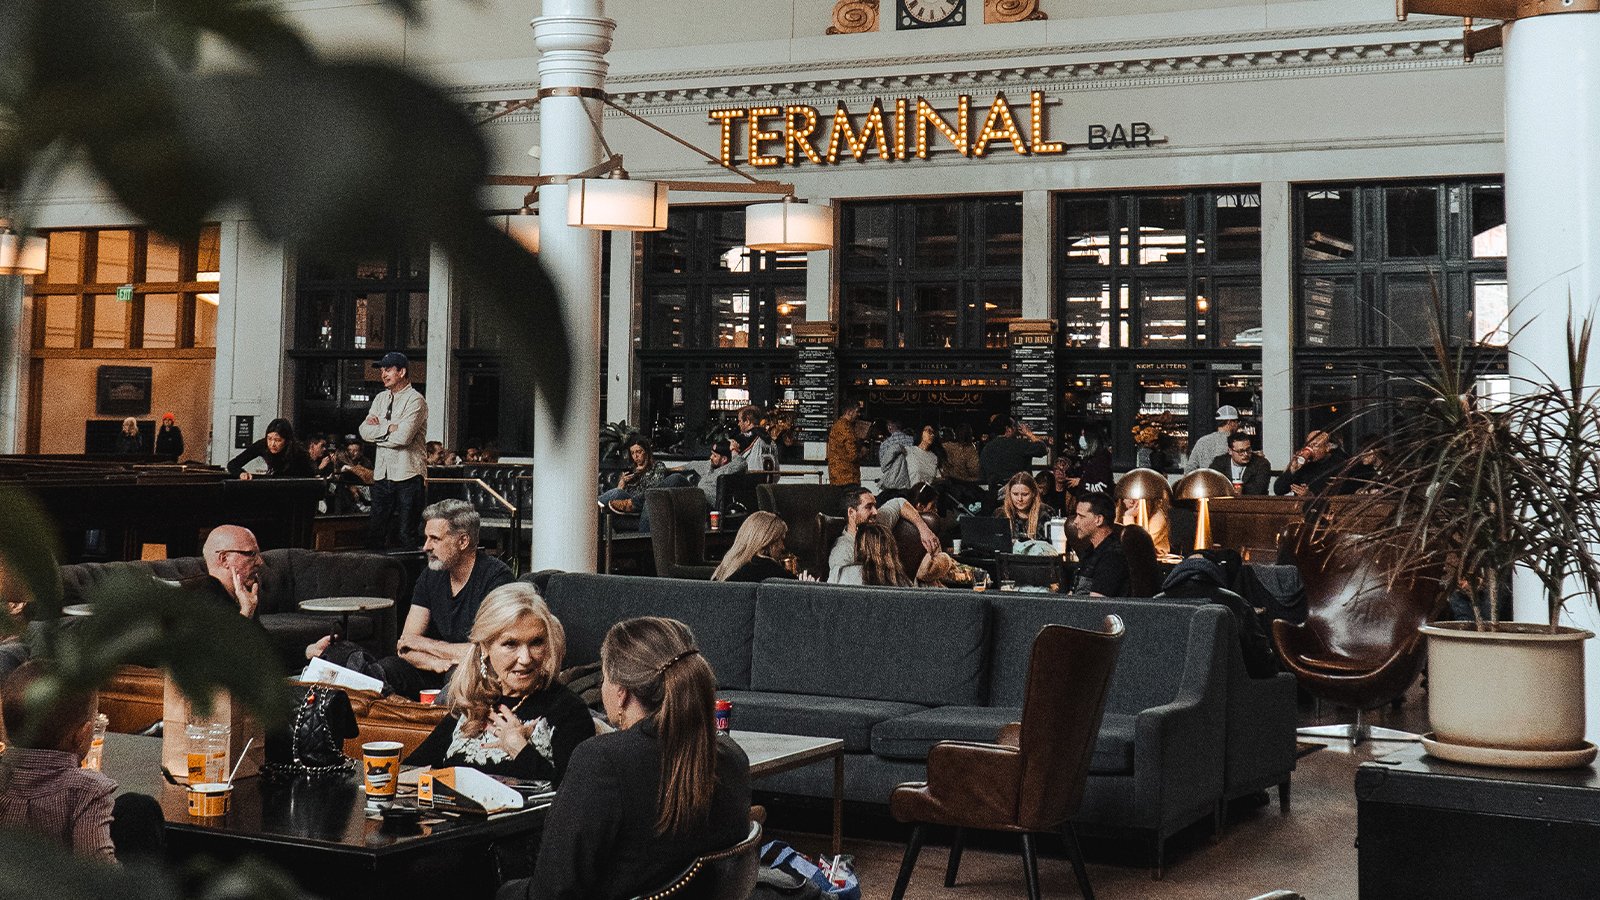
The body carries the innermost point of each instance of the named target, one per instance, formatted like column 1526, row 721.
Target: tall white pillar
column 441, row 343
column 251, row 374
column 13, row 379
column 619, row 329
column 572, row 37
column 1277, row 324
column 1038, row 257
column 1552, row 65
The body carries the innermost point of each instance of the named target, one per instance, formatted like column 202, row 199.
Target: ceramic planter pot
column 1516, row 691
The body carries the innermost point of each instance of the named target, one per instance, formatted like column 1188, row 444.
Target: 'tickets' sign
column 790, row 135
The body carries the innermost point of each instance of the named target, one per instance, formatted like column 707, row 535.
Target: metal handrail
column 516, row 515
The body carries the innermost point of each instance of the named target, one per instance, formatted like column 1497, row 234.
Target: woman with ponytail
column 508, row 716
column 641, row 803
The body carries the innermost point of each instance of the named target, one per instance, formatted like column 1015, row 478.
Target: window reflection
column 1164, row 314
column 113, row 262
column 1163, row 230
column 1490, row 309
column 1086, row 314
column 1328, row 224
column 110, row 322
column 1412, row 221
column 1488, row 221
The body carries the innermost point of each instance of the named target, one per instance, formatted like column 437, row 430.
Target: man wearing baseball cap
column 1214, row 444
column 396, row 424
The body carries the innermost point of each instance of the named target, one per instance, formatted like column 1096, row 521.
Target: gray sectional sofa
column 288, row 576
column 892, row 671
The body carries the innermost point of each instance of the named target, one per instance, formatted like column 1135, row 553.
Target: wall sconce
column 22, row 254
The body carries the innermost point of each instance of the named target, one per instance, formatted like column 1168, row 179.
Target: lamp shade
column 1203, row 484
column 788, row 225
column 617, row 204
column 22, row 255
column 1143, row 484
column 523, row 228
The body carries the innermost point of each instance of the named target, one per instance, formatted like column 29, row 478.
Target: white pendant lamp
column 22, row 255
column 617, row 204
column 523, row 228
column 788, row 225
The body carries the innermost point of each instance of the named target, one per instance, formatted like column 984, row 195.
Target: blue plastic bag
column 779, row 855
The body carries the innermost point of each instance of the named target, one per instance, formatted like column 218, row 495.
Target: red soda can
column 724, row 716
column 716, row 520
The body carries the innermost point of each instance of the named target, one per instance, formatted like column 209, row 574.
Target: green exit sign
column 125, row 292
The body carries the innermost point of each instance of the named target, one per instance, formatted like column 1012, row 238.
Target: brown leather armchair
column 1359, row 645
column 1032, row 779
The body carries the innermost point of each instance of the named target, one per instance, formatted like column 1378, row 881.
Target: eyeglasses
column 251, row 554
column 1240, row 451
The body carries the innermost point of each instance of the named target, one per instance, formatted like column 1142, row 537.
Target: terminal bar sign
column 790, row 135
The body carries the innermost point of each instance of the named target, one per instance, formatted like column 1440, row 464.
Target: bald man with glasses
column 233, row 559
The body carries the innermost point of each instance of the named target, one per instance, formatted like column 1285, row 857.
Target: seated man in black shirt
column 444, row 604
column 1103, row 571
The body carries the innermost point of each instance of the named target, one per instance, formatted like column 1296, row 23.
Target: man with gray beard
column 444, row 603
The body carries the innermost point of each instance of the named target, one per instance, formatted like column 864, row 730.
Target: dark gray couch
column 288, row 576
column 893, row 671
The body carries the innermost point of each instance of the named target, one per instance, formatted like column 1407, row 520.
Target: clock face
column 926, row 13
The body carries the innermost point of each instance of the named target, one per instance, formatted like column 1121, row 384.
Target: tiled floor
column 1310, row 851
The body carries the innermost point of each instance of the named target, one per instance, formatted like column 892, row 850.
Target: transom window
column 1167, row 270
column 704, row 289
column 127, row 288
column 931, row 274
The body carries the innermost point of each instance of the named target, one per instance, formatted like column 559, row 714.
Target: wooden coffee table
column 773, row 753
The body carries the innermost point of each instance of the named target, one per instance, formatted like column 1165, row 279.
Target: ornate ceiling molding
column 1055, row 78
column 1375, row 31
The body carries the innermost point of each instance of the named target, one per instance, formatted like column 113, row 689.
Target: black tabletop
column 327, row 814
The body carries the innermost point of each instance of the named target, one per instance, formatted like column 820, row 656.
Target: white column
column 251, row 370
column 1037, row 258
column 13, row 379
column 441, row 343
column 619, row 329
column 1277, row 323
column 572, row 37
column 1552, row 66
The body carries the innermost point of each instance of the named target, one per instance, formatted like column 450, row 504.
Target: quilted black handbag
column 313, row 744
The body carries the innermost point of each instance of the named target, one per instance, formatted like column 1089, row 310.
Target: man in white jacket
column 397, row 424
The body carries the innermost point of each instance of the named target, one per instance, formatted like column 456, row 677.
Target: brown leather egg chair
column 1031, row 779
column 1359, row 646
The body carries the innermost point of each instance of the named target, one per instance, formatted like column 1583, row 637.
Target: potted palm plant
column 1478, row 488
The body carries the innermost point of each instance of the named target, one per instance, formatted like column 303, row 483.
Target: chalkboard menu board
column 816, row 380
column 1033, row 384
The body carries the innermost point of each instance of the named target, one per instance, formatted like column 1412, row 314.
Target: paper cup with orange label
column 380, row 761
column 208, row 800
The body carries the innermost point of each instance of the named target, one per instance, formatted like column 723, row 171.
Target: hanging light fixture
column 617, row 203
column 22, row 254
column 523, row 226
column 788, row 225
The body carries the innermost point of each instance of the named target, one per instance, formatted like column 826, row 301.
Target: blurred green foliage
column 314, row 152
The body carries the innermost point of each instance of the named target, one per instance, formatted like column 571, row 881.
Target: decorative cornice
column 1109, row 49
column 1054, row 77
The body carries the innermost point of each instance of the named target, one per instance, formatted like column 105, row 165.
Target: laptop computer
column 985, row 534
